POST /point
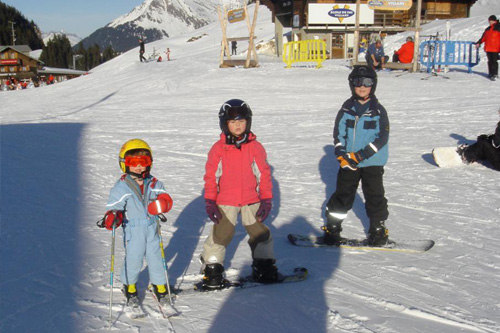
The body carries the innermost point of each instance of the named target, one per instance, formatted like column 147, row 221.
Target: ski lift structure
column 236, row 15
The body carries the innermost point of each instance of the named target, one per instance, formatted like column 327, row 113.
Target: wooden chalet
column 16, row 62
column 304, row 17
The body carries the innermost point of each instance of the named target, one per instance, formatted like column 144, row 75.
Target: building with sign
column 16, row 62
column 333, row 20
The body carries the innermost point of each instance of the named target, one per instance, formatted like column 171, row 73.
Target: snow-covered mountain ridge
column 156, row 19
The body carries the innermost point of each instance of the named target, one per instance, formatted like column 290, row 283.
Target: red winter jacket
column 406, row 52
column 237, row 177
column 491, row 38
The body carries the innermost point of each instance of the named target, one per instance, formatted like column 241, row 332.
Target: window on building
column 13, row 55
column 12, row 69
column 3, row 69
column 438, row 8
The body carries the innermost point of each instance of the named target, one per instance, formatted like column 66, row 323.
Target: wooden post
column 251, row 43
column 356, row 36
column 416, row 51
column 224, row 38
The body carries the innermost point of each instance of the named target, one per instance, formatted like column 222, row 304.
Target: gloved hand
column 162, row 204
column 264, row 209
column 111, row 216
column 350, row 160
column 212, row 211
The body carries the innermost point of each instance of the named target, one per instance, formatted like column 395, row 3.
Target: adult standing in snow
column 234, row 45
column 360, row 136
column 141, row 51
column 487, row 148
column 375, row 56
column 405, row 53
column 491, row 40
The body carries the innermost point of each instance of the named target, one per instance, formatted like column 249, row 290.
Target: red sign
column 9, row 62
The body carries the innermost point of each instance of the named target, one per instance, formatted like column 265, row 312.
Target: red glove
column 162, row 204
column 264, row 209
column 111, row 216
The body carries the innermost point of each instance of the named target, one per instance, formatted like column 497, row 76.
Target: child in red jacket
column 237, row 181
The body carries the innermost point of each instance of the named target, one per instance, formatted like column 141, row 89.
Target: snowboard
column 411, row 246
column 298, row 274
column 447, row 157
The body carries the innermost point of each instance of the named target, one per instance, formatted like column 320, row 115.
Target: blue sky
column 81, row 17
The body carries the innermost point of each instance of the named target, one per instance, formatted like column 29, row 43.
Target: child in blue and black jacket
column 360, row 136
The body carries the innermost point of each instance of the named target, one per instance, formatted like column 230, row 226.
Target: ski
column 133, row 309
column 298, row 274
column 164, row 307
column 411, row 246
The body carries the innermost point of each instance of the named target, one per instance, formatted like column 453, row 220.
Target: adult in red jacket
column 491, row 40
column 237, row 182
column 405, row 53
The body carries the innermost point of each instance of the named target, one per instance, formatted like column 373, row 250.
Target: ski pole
column 112, row 270
column 163, row 218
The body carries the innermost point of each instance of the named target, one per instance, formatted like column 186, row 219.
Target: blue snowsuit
column 140, row 234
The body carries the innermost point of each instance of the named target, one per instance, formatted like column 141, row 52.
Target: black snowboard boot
column 332, row 234
column 162, row 294
column 213, row 278
column 132, row 296
column 264, row 270
column 378, row 235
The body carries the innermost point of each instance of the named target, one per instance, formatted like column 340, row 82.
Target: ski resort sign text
column 390, row 4
column 339, row 13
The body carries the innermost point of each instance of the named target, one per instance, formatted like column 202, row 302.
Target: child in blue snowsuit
column 135, row 202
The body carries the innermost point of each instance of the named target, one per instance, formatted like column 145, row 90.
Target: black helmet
column 362, row 72
column 235, row 109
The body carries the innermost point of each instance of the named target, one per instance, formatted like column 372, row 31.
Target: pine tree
column 27, row 32
column 58, row 52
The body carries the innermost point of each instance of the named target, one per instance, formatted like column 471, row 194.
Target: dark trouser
column 369, row 61
column 141, row 57
column 373, row 189
column 492, row 63
column 395, row 57
column 483, row 150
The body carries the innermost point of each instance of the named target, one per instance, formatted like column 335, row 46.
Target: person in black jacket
column 141, row 51
column 487, row 148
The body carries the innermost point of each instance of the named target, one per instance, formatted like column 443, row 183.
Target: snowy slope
column 59, row 147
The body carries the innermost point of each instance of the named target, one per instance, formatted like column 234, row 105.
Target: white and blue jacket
column 367, row 134
column 126, row 196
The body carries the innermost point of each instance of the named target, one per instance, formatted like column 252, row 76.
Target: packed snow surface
column 59, row 150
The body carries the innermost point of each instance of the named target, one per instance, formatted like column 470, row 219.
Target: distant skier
column 237, row 181
column 135, row 202
column 360, row 136
column 168, row 54
column 234, row 46
column 491, row 40
column 141, row 51
column 487, row 148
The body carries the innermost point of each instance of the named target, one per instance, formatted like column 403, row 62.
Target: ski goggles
column 363, row 81
column 134, row 161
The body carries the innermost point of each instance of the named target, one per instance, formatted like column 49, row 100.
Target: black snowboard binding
column 132, row 297
column 378, row 235
column 264, row 271
column 332, row 235
column 213, row 278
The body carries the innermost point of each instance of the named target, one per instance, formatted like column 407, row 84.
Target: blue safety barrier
column 448, row 53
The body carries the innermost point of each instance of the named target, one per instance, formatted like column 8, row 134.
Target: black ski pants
column 492, row 63
column 373, row 190
column 483, row 150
